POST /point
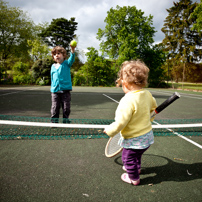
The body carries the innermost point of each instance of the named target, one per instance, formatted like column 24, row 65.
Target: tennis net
column 20, row 127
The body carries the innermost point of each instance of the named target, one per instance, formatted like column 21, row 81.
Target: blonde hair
column 60, row 50
column 133, row 72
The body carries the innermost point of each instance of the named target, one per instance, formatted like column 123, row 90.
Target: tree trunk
column 183, row 77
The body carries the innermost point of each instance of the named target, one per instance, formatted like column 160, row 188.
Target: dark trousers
column 131, row 159
column 58, row 100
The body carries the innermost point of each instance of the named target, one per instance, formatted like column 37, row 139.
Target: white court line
column 191, row 141
column 185, row 138
column 18, row 91
column 110, row 98
column 181, row 94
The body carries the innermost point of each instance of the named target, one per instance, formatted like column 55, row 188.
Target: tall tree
column 198, row 15
column 182, row 44
column 60, row 32
column 127, row 33
column 15, row 29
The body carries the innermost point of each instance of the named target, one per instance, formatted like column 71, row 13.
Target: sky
column 90, row 14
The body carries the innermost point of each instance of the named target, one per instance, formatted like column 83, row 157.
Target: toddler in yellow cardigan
column 132, row 118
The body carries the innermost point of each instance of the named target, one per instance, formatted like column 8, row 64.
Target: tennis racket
column 112, row 148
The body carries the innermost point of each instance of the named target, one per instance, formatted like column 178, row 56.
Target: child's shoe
column 126, row 178
column 124, row 168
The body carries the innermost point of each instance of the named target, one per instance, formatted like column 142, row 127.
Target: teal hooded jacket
column 61, row 77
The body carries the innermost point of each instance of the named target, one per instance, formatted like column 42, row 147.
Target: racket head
column 112, row 147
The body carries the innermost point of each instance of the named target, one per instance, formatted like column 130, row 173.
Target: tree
column 97, row 71
column 60, row 32
column 39, row 50
column 198, row 15
column 155, row 58
column 15, row 29
column 182, row 44
column 127, row 33
column 77, row 63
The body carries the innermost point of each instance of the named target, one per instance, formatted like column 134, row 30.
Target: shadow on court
column 164, row 169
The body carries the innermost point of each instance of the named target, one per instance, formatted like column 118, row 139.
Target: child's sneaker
column 126, row 178
column 124, row 168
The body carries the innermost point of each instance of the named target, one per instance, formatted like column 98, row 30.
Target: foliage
column 39, row 50
column 15, row 29
column 154, row 58
column 23, row 79
column 20, row 68
column 41, row 70
column 97, row 71
column 21, row 73
column 182, row 44
column 127, row 33
column 193, row 72
column 77, row 63
column 197, row 14
column 60, row 32
column 79, row 79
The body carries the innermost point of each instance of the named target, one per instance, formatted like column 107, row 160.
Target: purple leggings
column 131, row 159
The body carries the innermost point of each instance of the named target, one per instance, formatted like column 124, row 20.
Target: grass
column 186, row 86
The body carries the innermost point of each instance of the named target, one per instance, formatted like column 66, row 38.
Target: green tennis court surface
column 77, row 169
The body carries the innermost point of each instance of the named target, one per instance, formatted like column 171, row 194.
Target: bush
column 23, row 79
column 79, row 79
column 20, row 68
column 158, row 84
column 21, row 73
column 43, row 81
column 41, row 71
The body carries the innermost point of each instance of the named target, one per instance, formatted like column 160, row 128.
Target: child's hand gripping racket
column 112, row 148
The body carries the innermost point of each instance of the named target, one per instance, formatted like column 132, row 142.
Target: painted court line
column 181, row 94
column 181, row 136
column 18, row 91
column 110, row 98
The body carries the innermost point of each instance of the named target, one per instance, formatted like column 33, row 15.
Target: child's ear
column 124, row 83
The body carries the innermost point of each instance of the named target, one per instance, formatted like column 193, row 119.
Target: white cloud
column 91, row 14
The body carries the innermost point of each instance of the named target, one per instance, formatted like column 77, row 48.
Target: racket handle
column 167, row 102
column 153, row 114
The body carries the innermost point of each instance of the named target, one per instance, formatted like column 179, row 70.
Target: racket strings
column 113, row 147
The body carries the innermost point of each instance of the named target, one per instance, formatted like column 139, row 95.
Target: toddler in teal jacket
column 61, row 83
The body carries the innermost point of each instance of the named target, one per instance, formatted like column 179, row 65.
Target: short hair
column 133, row 72
column 60, row 50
